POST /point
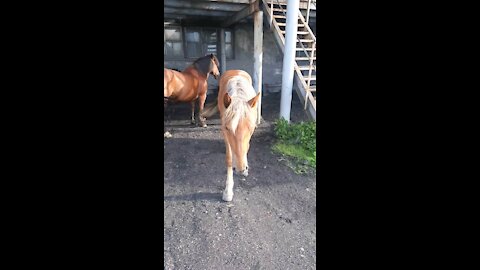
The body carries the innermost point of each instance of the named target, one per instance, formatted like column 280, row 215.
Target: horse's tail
column 210, row 109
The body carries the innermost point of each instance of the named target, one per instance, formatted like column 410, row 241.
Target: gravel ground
column 270, row 224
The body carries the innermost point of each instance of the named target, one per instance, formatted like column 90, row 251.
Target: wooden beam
column 196, row 12
column 189, row 20
column 303, row 4
column 200, row 21
column 227, row 1
column 258, row 58
column 253, row 7
column 173, row 16
column 219, row 6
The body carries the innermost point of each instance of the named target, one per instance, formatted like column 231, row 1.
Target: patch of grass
column 298, row 141
column 292, row 151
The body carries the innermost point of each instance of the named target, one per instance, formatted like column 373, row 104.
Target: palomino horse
column 190, row 84
column 237, row 102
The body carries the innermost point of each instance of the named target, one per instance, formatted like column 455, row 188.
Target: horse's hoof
column 167, row 135
column 204, row 125
column 227, row 197
column 193, row 123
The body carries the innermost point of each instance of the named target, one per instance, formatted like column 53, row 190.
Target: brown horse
column 190, row 85
column 237, row 102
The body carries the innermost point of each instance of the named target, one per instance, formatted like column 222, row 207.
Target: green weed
column 298, row 141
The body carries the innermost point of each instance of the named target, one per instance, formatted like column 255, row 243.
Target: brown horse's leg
column 165, row 134
column 201, row 104
column 164, row 113
column 193, row 112
column 228, row 192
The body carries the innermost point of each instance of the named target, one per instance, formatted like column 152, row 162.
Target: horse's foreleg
column 201, row 104
column 193, row 112
column 228, row 192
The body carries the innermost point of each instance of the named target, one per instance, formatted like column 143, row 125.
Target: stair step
column 284, row 24
column 313, row 78
column 306, row 68
column 281, row 16
column 306, row 40
column 298, row 32
column 306, row 49
column 305, row 58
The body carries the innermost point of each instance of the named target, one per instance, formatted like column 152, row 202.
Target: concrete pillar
column 289, row 58
column 222, row 54
column 258, row 58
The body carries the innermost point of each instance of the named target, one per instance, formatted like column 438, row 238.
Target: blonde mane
column 240, row 92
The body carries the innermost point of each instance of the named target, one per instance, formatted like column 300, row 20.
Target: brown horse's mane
column 204, row 65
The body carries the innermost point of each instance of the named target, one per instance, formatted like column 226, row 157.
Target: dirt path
column 269, row 225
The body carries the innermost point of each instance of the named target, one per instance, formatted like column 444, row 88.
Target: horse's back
column 167, row 77
column 230, row 83
column 170, row 81
column 168, row 74
column 229, row 75
column 183, row 86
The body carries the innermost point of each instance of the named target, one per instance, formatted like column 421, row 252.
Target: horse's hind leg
column 165, row 134
column 193, row 112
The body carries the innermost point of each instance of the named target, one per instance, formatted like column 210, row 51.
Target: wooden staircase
column 305, row 59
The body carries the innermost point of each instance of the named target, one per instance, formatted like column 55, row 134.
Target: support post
column 289, row 58
column 258, row 59
column 223, row 56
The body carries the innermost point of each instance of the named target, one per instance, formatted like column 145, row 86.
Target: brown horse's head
column 208, row 65
column 214, row 66
column 239, row 123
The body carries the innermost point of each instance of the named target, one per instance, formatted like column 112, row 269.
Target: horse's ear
column 254, row 100
column 212, row 56
column 226, row 100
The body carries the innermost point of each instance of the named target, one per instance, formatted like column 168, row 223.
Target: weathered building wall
column 243, row 58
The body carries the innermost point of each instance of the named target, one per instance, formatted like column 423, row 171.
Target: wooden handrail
column 308, row 10
column 307, row 26
column 310, row 73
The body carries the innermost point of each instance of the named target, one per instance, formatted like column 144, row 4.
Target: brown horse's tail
column 210, row 109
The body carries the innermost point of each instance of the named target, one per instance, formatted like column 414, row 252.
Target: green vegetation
column 298, row 141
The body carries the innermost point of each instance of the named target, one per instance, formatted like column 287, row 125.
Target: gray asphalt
column 270, row 224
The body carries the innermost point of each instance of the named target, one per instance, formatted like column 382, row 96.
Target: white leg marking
column 228, row 192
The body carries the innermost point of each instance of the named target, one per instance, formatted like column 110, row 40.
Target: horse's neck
column 192, row 70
